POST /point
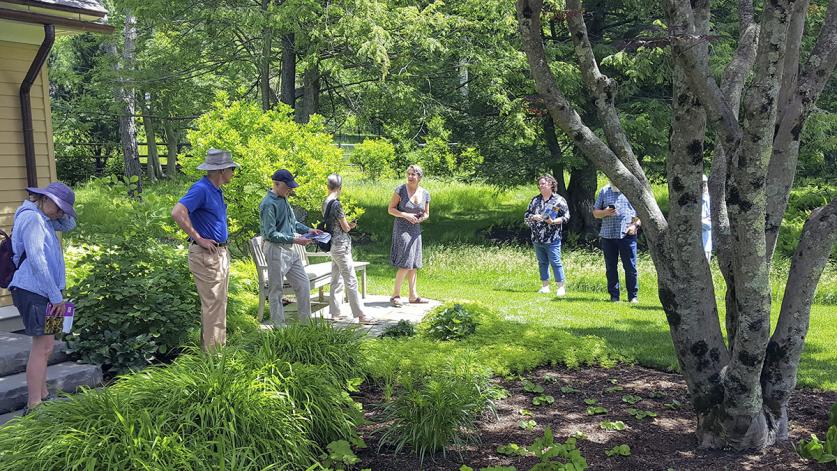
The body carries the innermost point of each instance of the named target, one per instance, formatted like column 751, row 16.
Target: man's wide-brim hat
column 60, row 194
column 218, row 159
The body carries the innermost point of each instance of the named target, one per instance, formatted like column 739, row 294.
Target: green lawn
column 458, row 266
column 581, row 328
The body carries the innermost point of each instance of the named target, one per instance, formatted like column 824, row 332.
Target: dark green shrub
column 450, row 322
column 433, row 412
column 136, row 304
column 403, row 328
column 74, row 167
column 315, row 344
column 203, row 412
column 436, row 157
column 114, row 165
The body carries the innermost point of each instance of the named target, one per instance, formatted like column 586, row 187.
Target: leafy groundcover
column 661, row 442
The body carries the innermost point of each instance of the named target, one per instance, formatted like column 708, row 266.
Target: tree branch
column 732, row 85
column 799, row 97
column 785, row 348
column 602, row 89
column 746, row 203
column 528, row 16
column 684, row 164
column 684, row 41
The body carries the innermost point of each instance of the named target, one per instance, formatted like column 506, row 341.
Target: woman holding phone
column 546, row 215
column 410, row 205
column 41, row 274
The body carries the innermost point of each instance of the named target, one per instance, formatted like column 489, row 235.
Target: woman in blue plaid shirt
column 546, row 215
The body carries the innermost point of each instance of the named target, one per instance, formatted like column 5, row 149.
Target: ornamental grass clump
column 430, row 413
column 202, row 412
column 331, row 413
column 317, row 343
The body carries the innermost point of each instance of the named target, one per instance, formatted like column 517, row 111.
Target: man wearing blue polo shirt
column 618, row 233
column 202, row 214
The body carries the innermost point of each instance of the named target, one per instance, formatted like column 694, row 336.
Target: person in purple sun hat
column 40, row 278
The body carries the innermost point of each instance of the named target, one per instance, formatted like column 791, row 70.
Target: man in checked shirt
column 618, row 233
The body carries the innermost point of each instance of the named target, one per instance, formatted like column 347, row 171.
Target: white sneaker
column 561, row 291
column 544, row 290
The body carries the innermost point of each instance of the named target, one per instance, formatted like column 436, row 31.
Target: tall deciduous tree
column 126, row 97
column 740, row 389
column 153, row 168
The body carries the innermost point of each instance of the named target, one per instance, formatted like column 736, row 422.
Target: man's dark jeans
column 625, row 248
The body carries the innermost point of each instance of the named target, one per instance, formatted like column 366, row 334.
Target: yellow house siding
column 15, row 59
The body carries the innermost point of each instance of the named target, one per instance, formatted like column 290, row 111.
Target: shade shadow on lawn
column 635, row 339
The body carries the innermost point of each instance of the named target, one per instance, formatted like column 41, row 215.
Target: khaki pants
column 212, row 275
column 283, row 263
column 343, row 273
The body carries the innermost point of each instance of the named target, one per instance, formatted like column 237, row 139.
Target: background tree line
column 445, row 84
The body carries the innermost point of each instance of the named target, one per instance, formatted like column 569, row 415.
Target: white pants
column 343, row 273
column 283, row 263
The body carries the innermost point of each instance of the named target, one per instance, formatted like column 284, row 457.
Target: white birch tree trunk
column 125, row 96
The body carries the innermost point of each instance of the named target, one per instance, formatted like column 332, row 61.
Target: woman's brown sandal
column 419, row 300
column 395, row 301
column 367, row 320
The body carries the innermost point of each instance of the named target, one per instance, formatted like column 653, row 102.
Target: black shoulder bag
column 323, row 226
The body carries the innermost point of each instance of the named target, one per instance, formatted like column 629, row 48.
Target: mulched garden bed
column 664, row 442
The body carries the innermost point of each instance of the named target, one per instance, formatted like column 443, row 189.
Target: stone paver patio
column 378, row 307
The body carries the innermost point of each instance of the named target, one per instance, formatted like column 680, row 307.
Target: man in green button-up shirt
column 280, row 230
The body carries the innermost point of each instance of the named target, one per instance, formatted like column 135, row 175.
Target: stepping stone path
column 62, row 375
column 67, row 376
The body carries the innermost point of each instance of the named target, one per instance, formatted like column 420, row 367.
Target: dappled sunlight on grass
column 541, row 328
column 581, row 328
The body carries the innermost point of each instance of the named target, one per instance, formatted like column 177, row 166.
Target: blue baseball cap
column 284, row 176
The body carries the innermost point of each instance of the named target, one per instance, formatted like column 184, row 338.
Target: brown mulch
column 665, row 442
